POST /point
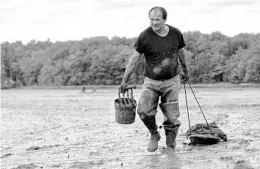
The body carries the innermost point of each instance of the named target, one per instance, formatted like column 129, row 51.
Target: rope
column 198, row 105
column 187, row 107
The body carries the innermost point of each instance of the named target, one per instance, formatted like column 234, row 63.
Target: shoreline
column 199, row 85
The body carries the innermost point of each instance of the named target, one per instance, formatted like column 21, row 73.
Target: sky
column 62, row 20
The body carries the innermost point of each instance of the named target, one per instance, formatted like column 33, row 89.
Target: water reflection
column 164, row 158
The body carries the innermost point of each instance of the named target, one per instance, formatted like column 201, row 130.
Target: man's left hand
column 185, row 76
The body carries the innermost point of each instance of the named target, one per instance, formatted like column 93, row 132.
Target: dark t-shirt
column 160, row 52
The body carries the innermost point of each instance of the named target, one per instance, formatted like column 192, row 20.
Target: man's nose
column 154, row 22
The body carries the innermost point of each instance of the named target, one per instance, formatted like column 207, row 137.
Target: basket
column 125, row 108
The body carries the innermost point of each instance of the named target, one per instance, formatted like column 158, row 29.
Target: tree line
column 99, row 60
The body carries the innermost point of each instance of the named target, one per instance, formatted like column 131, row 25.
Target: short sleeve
column 139, row 44
column 181, row 39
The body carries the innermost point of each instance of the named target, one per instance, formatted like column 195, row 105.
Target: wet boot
column 150, row 123
column 171, row 132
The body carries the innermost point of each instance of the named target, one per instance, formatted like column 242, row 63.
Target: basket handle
column 122, row 101
column 129, row 92
column 130, row 87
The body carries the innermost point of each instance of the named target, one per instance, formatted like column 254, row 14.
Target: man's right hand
column 123, row 88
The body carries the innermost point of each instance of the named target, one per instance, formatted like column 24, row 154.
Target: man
column 162, row 46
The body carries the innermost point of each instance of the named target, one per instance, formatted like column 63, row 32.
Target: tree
column 99, row 60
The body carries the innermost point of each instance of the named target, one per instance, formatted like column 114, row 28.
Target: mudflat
column 64, row 128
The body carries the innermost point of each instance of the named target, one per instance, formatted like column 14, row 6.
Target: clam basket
column 125, row 107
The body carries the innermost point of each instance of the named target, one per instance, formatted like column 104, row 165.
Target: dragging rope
column 202, row 133
column 198, row 105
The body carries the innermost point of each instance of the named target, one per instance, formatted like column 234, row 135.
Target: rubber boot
column 150, row 123
column 171, row 132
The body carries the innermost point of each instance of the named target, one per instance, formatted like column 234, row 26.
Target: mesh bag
column 205, row 134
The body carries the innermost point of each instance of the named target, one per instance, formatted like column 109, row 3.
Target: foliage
column 99, row 60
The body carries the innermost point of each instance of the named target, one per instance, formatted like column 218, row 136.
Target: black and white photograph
column 130, row 84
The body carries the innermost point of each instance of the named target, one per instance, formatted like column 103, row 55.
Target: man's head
column 158, row 16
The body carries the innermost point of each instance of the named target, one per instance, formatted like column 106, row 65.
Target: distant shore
column 201, row 85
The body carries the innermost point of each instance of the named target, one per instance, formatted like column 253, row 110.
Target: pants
column 167, row 91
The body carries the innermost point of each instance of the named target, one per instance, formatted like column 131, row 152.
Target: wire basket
column 125, row 107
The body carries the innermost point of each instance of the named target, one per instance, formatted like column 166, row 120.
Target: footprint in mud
column 26, row 166
column 240, row 143
column 226, row 158
column 6, row 155
column 44, row 147
column 33, row 148
column 243, row 141
column 243, row 165
column 83, row 165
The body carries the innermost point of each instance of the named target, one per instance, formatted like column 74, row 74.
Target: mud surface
column 61, row 128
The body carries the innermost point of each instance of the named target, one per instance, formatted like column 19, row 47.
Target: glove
column 123, row 88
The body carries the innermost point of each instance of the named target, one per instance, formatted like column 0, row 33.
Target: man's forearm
column 134, row 59
column 181, row 55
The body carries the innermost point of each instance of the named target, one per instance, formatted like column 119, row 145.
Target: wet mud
column 59, row 128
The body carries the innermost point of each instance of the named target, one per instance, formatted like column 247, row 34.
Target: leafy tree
column 99, row 60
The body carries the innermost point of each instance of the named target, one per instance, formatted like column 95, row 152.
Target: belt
column 162, row 80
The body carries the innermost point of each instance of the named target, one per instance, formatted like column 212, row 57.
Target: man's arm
column 134, row 59
column 181, row 56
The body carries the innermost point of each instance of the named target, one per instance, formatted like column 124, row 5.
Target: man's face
column 156, row 20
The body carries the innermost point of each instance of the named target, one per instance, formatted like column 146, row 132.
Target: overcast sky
column 77, row 19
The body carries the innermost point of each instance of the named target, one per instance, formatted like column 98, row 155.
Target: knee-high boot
column 171, row 132
column 150, row 123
